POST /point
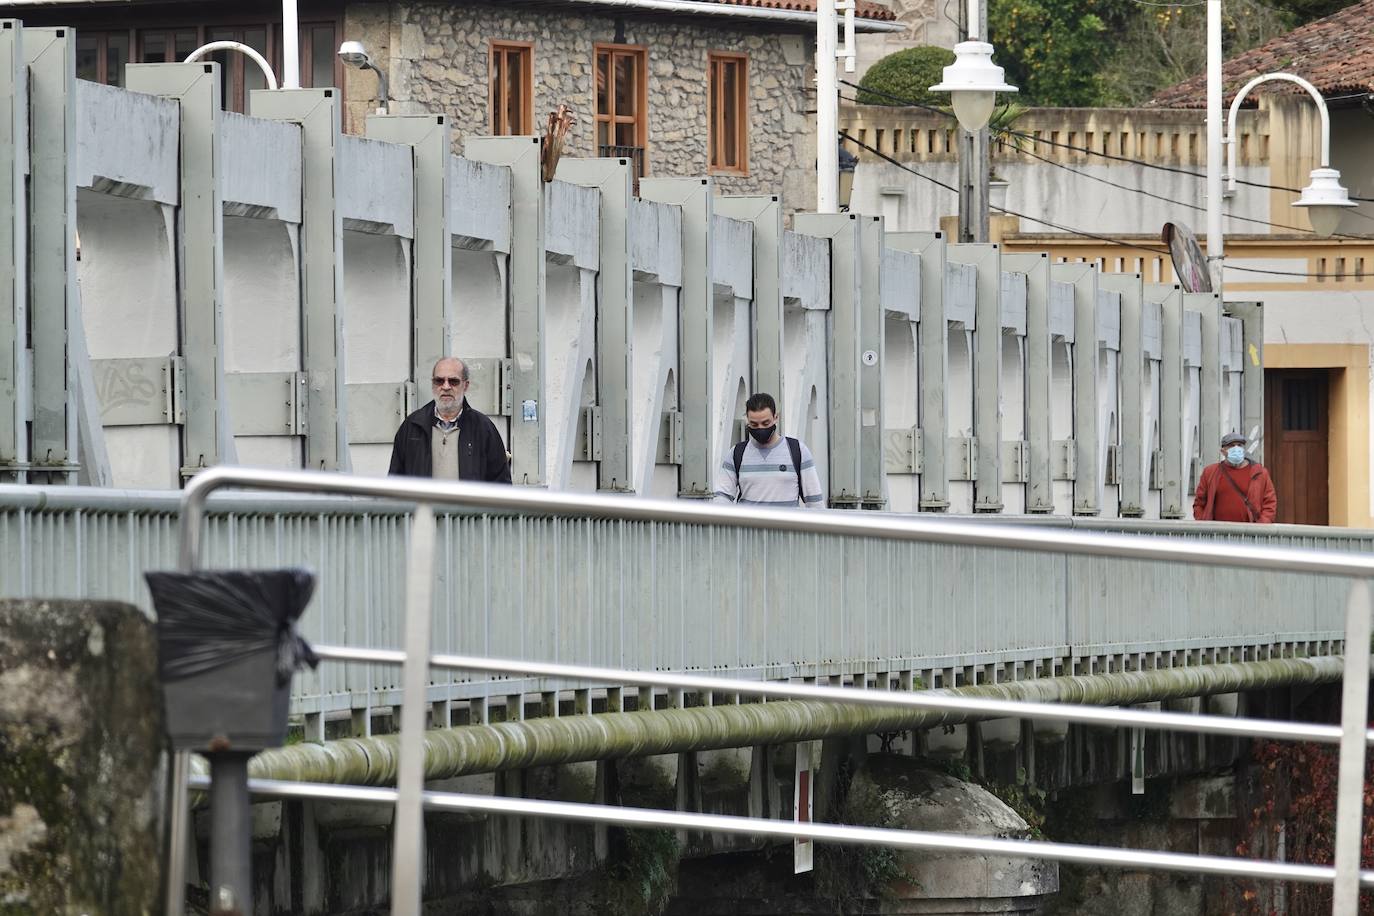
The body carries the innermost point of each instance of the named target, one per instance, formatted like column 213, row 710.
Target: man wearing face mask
column 769, row 469
column 1235, row 489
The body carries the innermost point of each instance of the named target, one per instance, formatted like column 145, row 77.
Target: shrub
column 907, row 75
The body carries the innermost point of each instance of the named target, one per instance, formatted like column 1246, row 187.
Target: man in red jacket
column 1235, row 489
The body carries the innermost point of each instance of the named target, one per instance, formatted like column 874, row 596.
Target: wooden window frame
column 641, row 119
column 495, row 110
column 102, row 52
column 715, row 95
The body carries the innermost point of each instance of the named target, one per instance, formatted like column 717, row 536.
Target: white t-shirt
column 768, row 478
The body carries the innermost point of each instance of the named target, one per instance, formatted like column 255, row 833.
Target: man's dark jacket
column 481, row 454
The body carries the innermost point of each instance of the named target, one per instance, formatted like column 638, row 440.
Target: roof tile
column 867, row 9
column 1335, row 54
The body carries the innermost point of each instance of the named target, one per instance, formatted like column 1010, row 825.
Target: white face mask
column 1235, row 455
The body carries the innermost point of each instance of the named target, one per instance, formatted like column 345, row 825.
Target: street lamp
column 354, row 54
column 1325, row 200
column 973, row 80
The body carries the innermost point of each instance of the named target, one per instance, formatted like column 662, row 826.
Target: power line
column 844, row 135
column 1084, row 149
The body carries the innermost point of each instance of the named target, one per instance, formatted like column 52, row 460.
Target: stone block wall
column 436, row 55
column 80, row 759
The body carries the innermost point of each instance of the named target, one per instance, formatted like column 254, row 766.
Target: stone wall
column 437, row 58
column 80, row 752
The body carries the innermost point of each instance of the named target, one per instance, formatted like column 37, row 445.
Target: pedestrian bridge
column 843, row 607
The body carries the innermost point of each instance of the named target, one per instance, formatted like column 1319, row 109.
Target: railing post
column 1345, row 897
column 408, row 840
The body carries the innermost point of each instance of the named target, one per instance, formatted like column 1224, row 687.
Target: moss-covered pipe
column 470, row 749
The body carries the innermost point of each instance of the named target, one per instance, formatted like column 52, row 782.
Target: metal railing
column 668, row 596
column 411, row 799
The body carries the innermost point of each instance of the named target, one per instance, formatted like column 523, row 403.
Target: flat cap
column 1230, row 438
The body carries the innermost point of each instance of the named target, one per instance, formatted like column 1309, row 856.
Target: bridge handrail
column 879, row 525
column 410, row 797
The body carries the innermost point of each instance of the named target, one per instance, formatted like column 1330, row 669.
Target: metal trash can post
column 231, row 832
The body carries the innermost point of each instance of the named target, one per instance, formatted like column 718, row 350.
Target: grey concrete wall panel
column 262, row 168
column 986, row 260
column 92, row 453
column 961, row 295
column 656, row 241
column 431, row 289
column 764, row 214
column 693, row 199
column 1014, row 302
column 1061, row 310
column 1129, row 291
column 806, row 270
column 15, row 379
column 1251, row 315
column 1192, row 335
column 837, row 606
column 932, row 364
column 1087, row 484
column 378, row 187
column 1172, row 466
column 573, row 231
column 732, row 266
column 1108, row 318
column 322, row 291
column 207, row 434
column 126, row 143
column 479, row 200
column 614, row 313
column 1208, row 306
column 50, row 55
column 1152, row 330
column 843, row 232
column 527, row 300
column 1036, row 270
column 901, row 285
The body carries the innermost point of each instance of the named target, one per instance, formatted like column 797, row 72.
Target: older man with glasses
column 447, row 439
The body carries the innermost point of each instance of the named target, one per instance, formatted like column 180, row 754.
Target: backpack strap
column 739, row 460
column 1254, row 516
column 794, row 447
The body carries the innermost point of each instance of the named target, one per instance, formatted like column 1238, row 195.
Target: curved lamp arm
column 1235, row 107
column 242, row 48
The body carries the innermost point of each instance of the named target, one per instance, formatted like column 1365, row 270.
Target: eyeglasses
column 452, row 381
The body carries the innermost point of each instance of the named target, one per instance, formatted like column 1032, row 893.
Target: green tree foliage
column 1165, row 45
column 1055, row 51
column 907, row 75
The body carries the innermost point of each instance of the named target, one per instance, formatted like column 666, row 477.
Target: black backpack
column 793, row 446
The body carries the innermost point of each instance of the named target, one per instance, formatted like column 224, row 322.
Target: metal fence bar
column 925, row 699
column 835, row 833
column 863, row 524
column 408, row 842
column 1345, row 897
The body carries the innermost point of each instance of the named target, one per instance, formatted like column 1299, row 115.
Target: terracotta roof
column 1335, row 54
column 867, row 9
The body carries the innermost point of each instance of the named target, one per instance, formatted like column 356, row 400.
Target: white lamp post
column 354, row 54
column 973, row 80
column 1324, row 199
column 240, row 47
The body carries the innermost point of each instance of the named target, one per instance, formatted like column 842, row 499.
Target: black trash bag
column 227, row 648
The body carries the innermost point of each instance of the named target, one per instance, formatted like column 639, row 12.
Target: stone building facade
column 436, row 55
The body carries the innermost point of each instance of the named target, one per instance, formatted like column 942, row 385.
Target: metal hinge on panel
column 490, row 385
column 589, row 434
column 140, row 391
column 268, row 403
column 961, row 457
column 1157, row 469
column 670, row 438
column 902, row 451
column 1063, row 460
column 1015, row 461
column 1113, row 475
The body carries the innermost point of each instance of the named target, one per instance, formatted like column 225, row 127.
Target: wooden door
column 1296, row 427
